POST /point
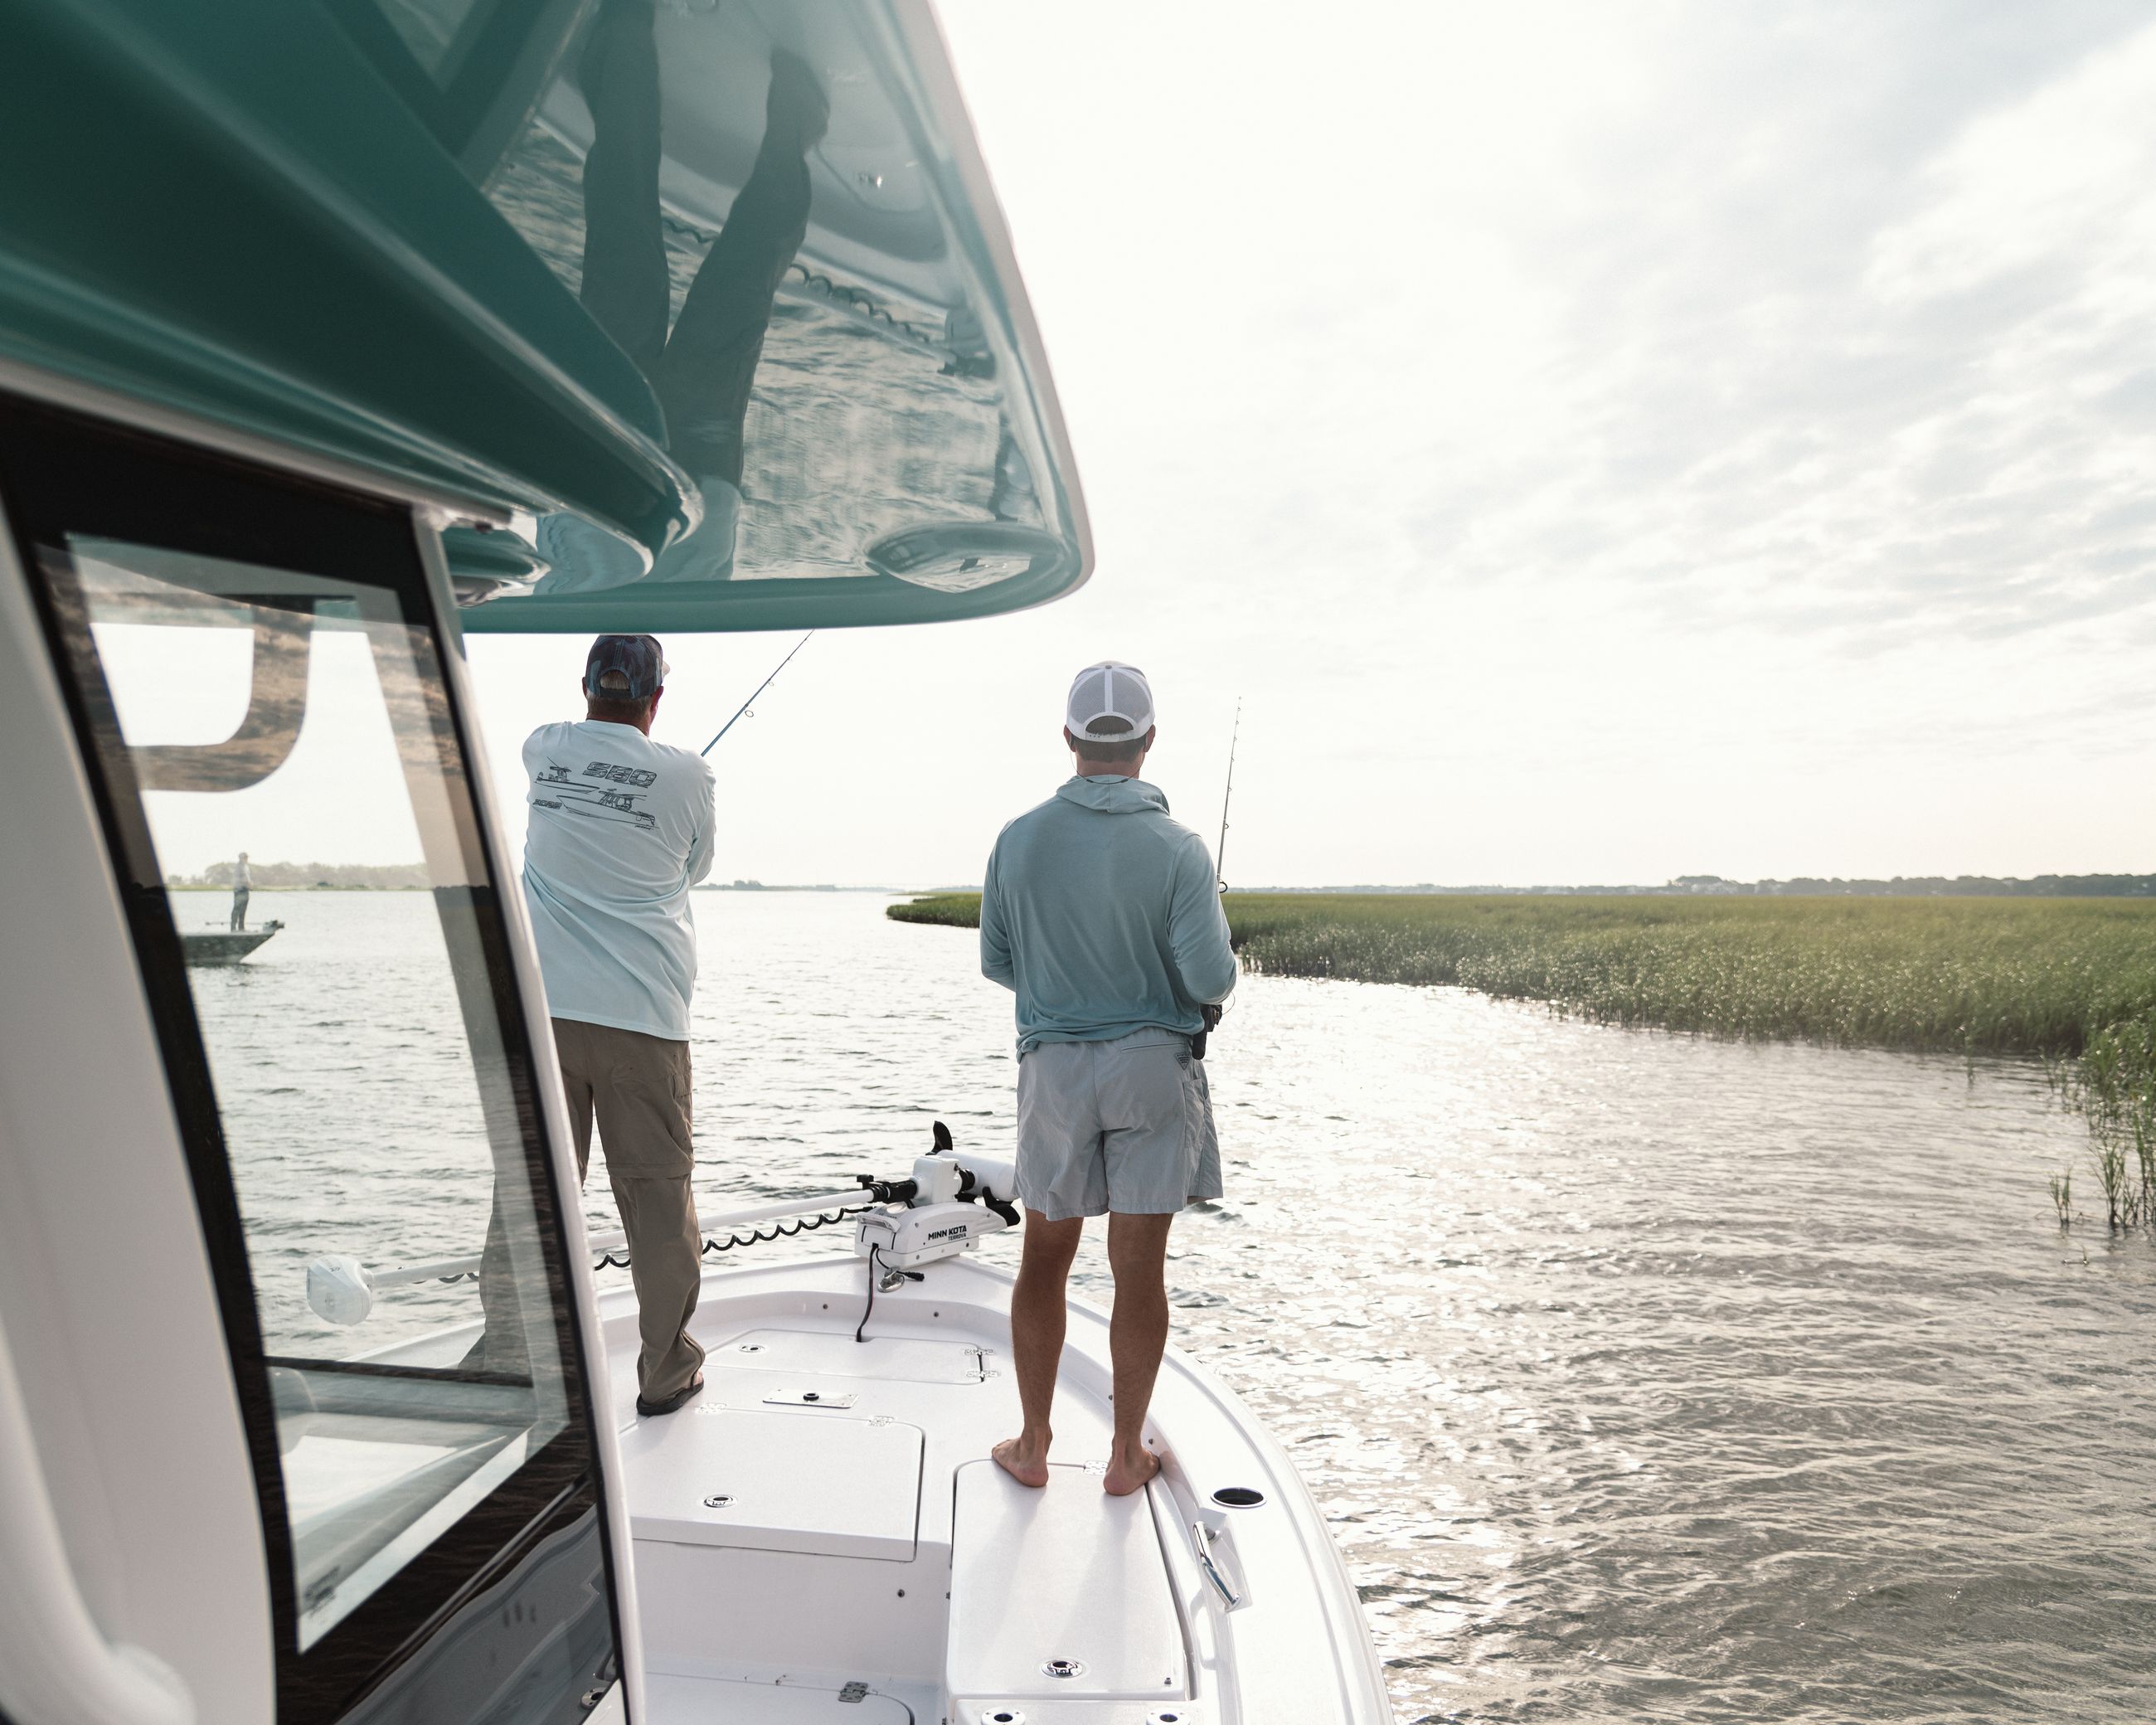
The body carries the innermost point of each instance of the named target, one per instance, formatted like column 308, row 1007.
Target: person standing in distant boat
column 621, row 829
column 1103, row 915
column 242, row 885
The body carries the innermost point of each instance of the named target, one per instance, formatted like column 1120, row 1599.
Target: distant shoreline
column 364, row 887
column 1798, row 887
column 285, row 886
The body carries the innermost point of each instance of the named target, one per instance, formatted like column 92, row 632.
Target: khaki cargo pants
column 637, row 1086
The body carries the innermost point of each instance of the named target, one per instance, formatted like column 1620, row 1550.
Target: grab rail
column 56, row 1667
column 1202, row 1537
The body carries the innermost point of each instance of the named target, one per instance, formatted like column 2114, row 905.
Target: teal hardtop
column 678, row 319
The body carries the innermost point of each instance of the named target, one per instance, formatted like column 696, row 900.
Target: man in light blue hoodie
column 1104, row 916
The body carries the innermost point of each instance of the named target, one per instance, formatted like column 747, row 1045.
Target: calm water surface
column 1639, row 1376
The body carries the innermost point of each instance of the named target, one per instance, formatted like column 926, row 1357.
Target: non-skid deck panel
column 827, row 1483
column 720, row 1701
column 1063, row 1574
column 824, row 1353
column 972, row 1710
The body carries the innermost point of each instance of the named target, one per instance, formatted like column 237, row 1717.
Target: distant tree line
column 1810, row 886
column 291, row 876
column 1931, row 886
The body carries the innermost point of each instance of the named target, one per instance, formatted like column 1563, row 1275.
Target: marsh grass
column 1959, row 976
column 2069, row 981
column 2111, row 1174
column 947, row 910
column 2113, row 1083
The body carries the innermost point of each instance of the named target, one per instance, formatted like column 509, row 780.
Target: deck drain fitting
column 718, row 1500
column 1064, row 1668
column 1169, row 1718
column 1003, row 1716
column 1239, row 1498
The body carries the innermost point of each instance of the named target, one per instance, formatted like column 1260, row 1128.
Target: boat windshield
column 293, row 715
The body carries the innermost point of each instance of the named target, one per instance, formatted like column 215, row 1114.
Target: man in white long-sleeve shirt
column 621, row 828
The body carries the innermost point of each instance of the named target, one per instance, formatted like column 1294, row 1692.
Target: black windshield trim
column 62, row 475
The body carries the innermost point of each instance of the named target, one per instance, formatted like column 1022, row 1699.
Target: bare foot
column 1024, row 1461
column 1128, row 1472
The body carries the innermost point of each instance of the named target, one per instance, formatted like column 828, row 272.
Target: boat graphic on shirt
column 604, row 800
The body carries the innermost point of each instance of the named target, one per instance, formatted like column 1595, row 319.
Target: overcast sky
column 1597, row 442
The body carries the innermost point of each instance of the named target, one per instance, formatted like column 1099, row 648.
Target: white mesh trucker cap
column 1109, row 691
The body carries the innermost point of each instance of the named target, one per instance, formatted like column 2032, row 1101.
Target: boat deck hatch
column 830, row 1354
column 674, row 1700
column 829, row 1483
column 1059, row 1594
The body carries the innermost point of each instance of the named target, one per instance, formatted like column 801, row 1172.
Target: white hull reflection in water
column 1639, row 1377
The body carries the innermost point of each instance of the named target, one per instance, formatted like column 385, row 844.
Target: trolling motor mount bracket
column 902, row 1239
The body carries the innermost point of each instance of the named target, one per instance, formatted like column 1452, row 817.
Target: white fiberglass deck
column 1005, row 1590
column 820, row 1536
column 1065, row 1579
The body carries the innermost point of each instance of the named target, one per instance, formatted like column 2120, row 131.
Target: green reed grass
column 1961, row 975
column 1964, row 976
column 2072, row 981
column 2113, row 1083
column 950, row 909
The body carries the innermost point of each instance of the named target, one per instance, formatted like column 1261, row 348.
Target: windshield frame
column 63, row 476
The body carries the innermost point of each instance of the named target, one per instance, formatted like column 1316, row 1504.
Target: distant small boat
column 218, row 946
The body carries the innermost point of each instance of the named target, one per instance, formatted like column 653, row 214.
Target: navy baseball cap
column 624, row 668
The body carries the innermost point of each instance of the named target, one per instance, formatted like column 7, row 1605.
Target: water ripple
column 1637, row 1376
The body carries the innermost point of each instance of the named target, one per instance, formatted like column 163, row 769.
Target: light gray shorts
column 1122, row 1125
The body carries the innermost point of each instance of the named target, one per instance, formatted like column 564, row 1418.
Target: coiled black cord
column 732, row 1242
column 756, row 1236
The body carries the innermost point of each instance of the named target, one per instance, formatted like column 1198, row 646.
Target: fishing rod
column 1211, row 1014
column 1220, row 851
column 760, row 688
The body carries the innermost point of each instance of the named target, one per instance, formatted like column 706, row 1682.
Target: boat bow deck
column 746, row 1608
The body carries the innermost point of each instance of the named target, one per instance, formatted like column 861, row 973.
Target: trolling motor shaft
column 340, row 1289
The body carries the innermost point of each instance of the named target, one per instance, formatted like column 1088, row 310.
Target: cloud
column 1846, row 335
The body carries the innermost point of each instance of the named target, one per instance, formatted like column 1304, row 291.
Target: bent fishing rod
column 744, row 707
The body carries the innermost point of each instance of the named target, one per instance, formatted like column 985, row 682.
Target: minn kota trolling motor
column 953, row 1202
